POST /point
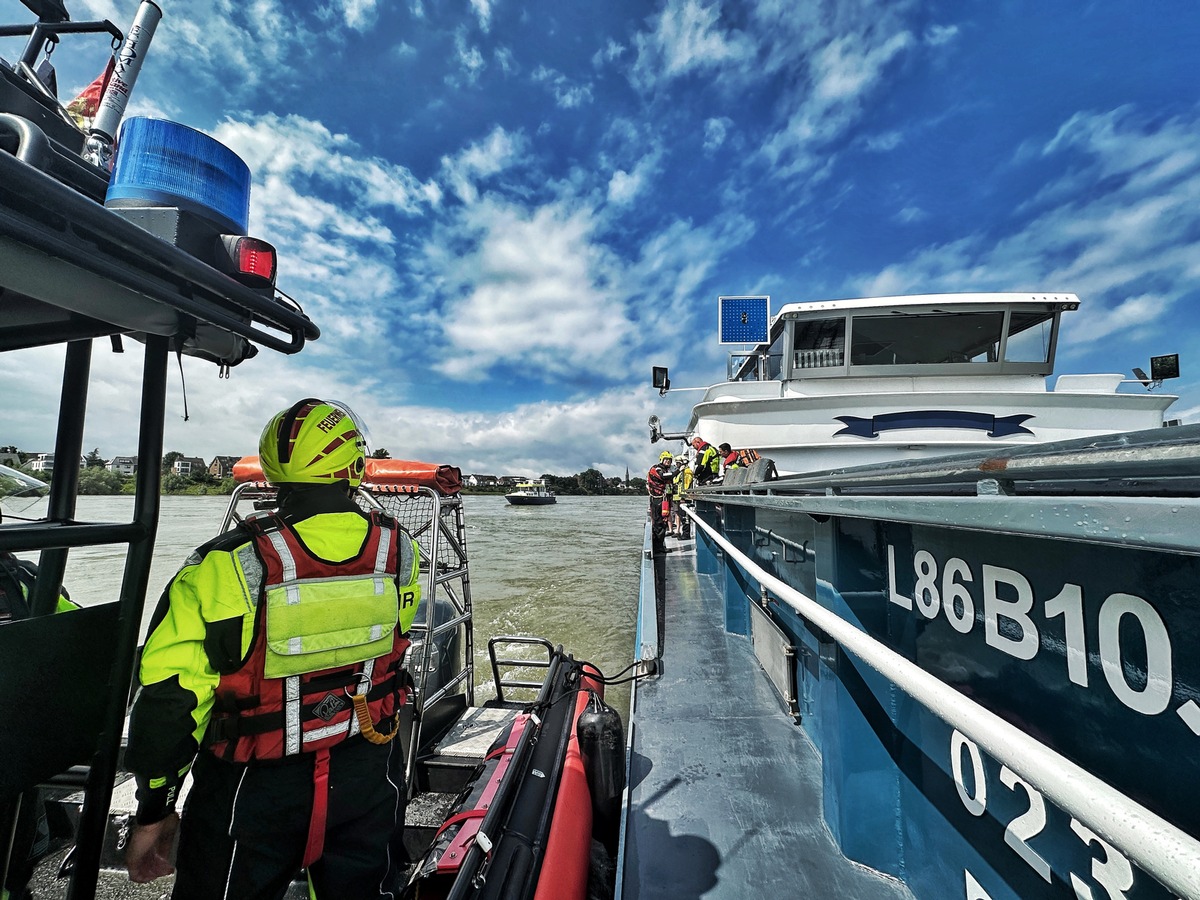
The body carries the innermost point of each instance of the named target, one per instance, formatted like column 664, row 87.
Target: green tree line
column 589, row 482
column 96, row 478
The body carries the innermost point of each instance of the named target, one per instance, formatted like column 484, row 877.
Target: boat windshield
column 1009, row 340
column 893, row 340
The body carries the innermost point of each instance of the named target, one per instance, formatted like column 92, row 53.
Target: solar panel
column 744, row 320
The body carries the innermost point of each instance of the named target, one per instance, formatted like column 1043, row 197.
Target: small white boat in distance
column 850, row 382
column 531, row 493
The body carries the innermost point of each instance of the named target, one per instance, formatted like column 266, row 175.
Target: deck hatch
column 776, row 654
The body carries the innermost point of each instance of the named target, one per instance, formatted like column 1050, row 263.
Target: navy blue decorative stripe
column 995, row 426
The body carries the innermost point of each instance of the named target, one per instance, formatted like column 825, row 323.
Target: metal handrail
column 647, row 638
column 501, row 684
column 446, row 689
column 1163, row 850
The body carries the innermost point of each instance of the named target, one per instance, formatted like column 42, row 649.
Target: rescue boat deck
column 725, row 790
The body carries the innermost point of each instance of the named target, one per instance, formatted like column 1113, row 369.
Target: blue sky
column 502, row 214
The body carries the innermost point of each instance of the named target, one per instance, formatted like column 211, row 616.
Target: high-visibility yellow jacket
column 205, row 626
column 682, row 484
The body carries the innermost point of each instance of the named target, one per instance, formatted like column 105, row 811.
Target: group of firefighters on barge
column 669, row 480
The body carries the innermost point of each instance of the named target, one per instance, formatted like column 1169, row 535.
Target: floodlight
column 1162, row 367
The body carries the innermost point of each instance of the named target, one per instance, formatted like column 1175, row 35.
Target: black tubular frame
column 60, row 533
column 71, row 271
column 70, row 256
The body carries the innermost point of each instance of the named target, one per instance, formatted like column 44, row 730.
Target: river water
column 567, row 572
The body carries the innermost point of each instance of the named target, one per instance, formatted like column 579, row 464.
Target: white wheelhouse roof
column 1011, row 298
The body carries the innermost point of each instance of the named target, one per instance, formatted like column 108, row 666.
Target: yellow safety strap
column 367, row 727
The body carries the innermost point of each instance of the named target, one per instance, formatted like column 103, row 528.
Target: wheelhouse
column 930, row 334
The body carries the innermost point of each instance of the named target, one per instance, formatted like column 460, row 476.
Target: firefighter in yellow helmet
column 265, row 651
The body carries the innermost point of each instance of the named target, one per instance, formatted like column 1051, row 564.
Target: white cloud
column 507, row 61
column 882, row 143
column 687, row 37
column 359, row 15
column 911, row 214
column 624, row 187
column 498, row 151
column 823, row 62
column 483, row 9
column 531, row 287
column 293, row 147
column 232, row 46
column 715, row 132
column 543, row 286
column 470, row 58
column 842, row 75
column 610, row 52
column 567, row 95
column 604, row 431
column 326, row 207
column 937, row 35
column 1129, row 315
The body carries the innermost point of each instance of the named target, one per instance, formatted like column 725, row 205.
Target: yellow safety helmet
column 313, row 442
column 666, row 454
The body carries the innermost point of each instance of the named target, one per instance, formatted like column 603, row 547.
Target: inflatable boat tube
column 382, row 472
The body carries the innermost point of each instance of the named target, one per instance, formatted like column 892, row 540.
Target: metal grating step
column 456, row 757
column 473, row 735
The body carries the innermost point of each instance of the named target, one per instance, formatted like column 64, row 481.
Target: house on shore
column 123, row 465
column 481, row 481
column 222, row 466
column 188, row 465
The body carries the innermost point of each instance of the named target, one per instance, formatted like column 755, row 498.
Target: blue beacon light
column 162, row 163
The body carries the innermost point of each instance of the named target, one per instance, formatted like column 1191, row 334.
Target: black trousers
column 245, row 827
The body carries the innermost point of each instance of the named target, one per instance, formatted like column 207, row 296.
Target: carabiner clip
column 362, row 685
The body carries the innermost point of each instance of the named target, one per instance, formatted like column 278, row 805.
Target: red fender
column 564, row 872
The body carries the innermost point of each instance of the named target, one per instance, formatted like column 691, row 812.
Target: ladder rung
column 531, row 663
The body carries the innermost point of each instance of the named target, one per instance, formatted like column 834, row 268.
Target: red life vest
column 255, row 717
column 657, row 480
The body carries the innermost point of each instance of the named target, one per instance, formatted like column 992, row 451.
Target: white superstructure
column 850, row 382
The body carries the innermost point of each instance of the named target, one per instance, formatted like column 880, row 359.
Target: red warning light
column 251, row 261
column 255, row 257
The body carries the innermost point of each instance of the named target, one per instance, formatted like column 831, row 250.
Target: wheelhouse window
column 995, row 338
column 1030, row 336
column 760, row 364
column 819, row 343
column 930, row 338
